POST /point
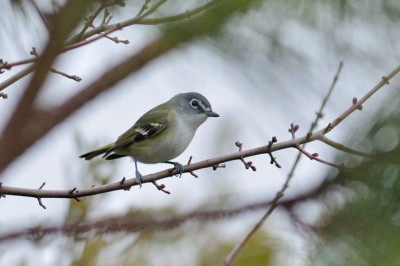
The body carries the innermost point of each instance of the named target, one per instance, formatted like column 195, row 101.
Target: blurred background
column 266, row 68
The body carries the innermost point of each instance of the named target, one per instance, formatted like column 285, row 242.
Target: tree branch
column 76, row 42
column 69, row 17
column 141, row 20
column 128, row 183
column 357, row 105
column 343, row 148
column 132, row 224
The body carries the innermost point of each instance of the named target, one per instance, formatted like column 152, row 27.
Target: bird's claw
column 179, row 168
column 139, row 178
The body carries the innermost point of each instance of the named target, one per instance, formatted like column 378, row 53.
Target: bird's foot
column 178, row 166
column 139, row 178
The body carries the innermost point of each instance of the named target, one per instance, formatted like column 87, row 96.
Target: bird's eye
column 194, row 103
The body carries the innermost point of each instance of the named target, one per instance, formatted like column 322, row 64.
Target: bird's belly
column 146, row 152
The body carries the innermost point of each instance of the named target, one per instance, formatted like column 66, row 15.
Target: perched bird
column 161, row 134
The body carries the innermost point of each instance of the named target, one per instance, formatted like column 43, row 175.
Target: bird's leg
column 138, row 175
column 178, row 166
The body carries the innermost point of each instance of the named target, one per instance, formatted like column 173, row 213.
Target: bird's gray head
column 193, row 103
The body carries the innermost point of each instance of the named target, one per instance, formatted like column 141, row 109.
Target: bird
column 161, row 134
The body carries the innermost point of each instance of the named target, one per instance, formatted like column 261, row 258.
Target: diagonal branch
column 343, row 148
column 76, row 42
column 17, row 77
column 69, row 17
column 91, row 19
column 357, row 105
column 142, row 20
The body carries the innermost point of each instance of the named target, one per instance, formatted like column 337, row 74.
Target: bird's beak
column 211, row 114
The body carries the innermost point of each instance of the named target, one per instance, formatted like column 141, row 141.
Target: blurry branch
column 343, row 148
column 14, row 133
column 131, row 223
column 5, row 65
column 90, row 20
column 144, row 7
column 104, row 29
column 141, row 20
column 85, row 42
column 231, row 256
column 27, row 125
column 17, row 77
column 73, row 77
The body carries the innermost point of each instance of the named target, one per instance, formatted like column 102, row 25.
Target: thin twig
column 43, row 184
column 160, row 187
column 141, row 20
column 248, row 164
column 356, row 106
column 152, row 9
column 41, row 203
column 89, row 22
column 17, row 77
column 144, row 7
column 99, row 36
column 116, row 40
column 18, row 63
column 228, row 260
column 75, row 41
column 39, row 199
column 184, row 15
column 73, row 77
column 191, row 172
column 343, row 148
column 315, row 157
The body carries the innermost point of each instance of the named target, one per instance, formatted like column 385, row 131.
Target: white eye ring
column 194, row 103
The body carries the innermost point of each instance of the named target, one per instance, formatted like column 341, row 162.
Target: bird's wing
column 142, row 130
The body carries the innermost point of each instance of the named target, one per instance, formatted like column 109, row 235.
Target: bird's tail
column 90, row 155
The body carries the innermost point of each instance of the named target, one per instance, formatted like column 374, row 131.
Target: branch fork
column 40, row 199
column 248, row 164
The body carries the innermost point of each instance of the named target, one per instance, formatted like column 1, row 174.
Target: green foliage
column 366, row 229
column 258, row 251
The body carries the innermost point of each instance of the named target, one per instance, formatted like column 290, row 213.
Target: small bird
column 161, row 134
